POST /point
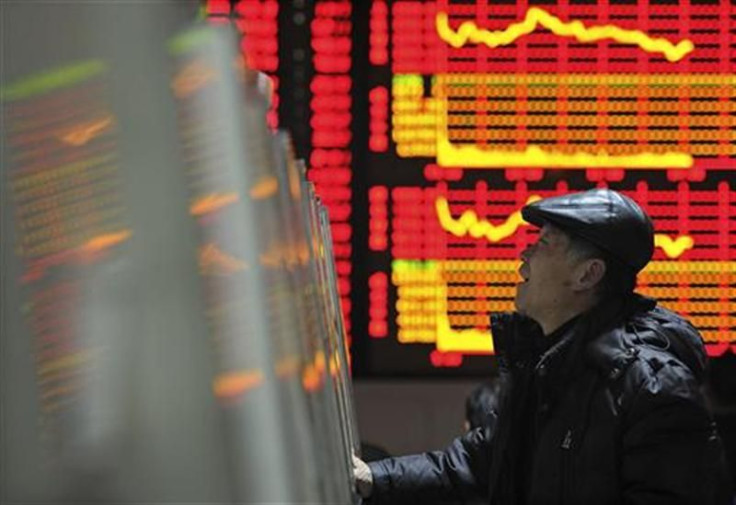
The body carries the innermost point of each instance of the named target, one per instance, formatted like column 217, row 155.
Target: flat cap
column 609, row 220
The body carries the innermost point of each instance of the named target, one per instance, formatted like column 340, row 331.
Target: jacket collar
column 609, row 348
column 519, row 340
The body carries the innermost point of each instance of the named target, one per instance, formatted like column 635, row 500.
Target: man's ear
column 590, row 273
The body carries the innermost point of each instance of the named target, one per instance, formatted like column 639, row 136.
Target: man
column 601, row 401
column 481, row 406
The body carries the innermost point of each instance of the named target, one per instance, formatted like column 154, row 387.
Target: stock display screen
column 427, row 125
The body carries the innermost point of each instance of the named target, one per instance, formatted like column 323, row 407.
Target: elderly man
column 601, row 401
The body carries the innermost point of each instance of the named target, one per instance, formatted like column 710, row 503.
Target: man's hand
column 363, row 477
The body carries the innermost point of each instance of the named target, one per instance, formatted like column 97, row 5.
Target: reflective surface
column 171, row 328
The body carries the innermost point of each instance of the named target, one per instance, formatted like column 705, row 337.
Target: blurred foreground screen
column 170, row 321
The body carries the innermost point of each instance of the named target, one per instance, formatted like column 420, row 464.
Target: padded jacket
column 611, row 413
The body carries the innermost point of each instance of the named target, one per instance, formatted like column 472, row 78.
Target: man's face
column 547, row 271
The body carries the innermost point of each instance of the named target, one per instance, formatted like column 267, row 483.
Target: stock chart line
column 472, row 156
column 469, row 224
column 470, row 32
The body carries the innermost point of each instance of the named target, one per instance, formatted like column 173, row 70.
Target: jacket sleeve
column 671, row 453
column 456, row 474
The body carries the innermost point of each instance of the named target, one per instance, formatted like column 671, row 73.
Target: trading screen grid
column 474, row 109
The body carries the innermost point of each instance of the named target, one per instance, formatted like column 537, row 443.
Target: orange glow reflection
column 212, row 202
column 105, row 241
column 264, row 188
column 313, row 374
column 230, row 384
column 83, row 133
column 192, row 78
column 213, row 261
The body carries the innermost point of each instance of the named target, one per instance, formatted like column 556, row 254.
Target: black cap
column 609, row 220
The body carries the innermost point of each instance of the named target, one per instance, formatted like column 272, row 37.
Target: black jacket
column 611, row 413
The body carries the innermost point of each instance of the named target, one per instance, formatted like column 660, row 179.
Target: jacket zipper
column 566, row 446
column 567, row 442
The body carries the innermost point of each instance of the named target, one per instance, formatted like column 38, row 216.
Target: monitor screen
column 427, row 125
